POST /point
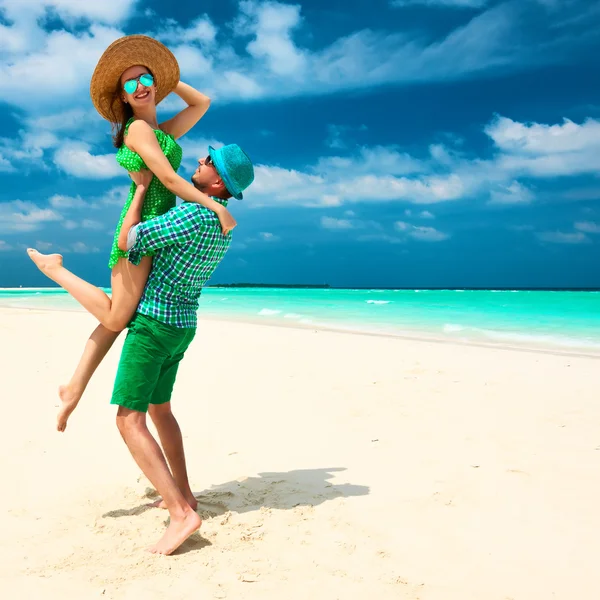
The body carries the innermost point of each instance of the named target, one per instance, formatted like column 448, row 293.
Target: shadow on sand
column 282, row 491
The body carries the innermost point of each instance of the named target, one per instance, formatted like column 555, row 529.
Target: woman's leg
column 96, row 348
column 128, row 283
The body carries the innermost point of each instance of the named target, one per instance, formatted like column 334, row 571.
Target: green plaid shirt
column 188, row 245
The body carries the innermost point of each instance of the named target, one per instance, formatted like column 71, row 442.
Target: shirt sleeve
column 178, row 226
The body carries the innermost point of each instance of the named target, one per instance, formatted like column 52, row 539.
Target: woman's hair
column 118, row 125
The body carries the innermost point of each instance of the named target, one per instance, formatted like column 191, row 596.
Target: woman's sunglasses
column 132, row 84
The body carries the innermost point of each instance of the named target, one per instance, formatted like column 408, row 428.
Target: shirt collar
column 220, row 201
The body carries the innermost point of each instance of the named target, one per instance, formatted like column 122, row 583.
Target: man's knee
column 160, row 411
column 128, row 420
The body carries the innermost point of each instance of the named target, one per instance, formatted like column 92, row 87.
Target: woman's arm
column 141, row 139
column 182, row 122
column 134, row 214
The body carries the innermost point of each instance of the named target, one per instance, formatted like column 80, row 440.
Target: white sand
column 329, row 465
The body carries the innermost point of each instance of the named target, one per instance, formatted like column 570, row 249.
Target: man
column 188, row 245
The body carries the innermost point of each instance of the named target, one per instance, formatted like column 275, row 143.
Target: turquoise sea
column 553, row 320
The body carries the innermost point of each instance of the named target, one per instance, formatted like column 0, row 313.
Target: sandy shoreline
column 328, row 465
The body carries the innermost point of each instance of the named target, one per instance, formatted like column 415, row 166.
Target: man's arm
column 178, row 226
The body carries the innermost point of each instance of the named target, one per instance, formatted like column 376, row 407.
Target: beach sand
column 327, row 465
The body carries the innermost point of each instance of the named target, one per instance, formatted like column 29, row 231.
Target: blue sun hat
column 234, row 167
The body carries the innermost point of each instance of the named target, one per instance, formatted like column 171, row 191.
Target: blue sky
column 407, row 143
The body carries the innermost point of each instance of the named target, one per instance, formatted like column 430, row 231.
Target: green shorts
column 149, row 361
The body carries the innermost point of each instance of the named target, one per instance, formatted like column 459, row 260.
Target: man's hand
column 143, row 177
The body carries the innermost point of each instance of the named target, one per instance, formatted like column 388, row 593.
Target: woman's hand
column 228, row 223
column 142, row 178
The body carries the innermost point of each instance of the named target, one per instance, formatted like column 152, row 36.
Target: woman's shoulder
column 136, row 126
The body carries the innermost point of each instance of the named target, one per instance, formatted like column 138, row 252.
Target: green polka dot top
column 158, row 198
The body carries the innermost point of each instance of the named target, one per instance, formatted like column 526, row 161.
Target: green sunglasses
column 132, row 84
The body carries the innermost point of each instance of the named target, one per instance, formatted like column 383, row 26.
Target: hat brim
column 126, row 52
column 220, row 167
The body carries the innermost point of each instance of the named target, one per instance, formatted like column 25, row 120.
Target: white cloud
column 25, row 17
column 43, row 246
column 201, row 30
column 422, row 234
column 60, row 63
column 117, row 196
column 91, row 224
column 69, row 224
column 541, row 150
column 267, row 236
column 332, row 187
column 428, row 189
column 428, row 234
column 542, row 140
column 260, row 55
column 381, row 237
column 515, row 193
column 588, row 227
column 425, row 214
column 59, row 201
column 336, row 224
column 441, row 3
column 107, row 11
column 275, row 185
column 193, row 62
column 375, row 159
column 81, row 248
column 4, row 246
column 381, row 174
column 24, row 216
column 27, row 150
column 271, row 25
column 335, row 137
column 5, row 165
column 68, row 120
column 75, row 159
column 559, row 237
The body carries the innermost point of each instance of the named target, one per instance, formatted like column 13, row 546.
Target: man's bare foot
column 45, row 262
column 177, row 532
column 69, row 400
column 191, row 500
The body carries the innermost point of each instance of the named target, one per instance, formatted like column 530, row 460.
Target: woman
column 133, row 75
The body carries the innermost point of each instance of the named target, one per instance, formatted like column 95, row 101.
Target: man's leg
column 150, row 459
column 172, row 443
column 164, row 420
column 145, row 352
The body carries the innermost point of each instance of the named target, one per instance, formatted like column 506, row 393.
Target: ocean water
column 554, row 320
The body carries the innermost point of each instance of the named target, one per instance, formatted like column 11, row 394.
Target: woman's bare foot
column 69, row 400
column 45, row 262
column 177, row 532
column 191, row 500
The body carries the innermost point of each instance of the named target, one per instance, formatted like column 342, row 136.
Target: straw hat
column 119, row 56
